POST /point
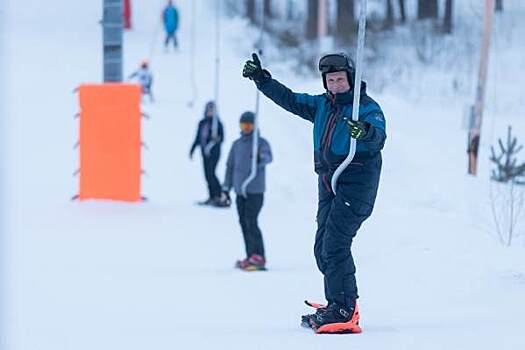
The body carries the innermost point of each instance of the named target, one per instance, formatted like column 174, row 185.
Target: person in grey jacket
column 238, row 168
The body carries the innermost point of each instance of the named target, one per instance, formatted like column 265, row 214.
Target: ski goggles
column 333, row 63
column 246, row 127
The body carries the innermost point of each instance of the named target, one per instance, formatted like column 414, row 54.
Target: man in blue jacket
column 339, row 216
column 170, row 18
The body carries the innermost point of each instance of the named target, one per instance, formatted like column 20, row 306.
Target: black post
column 112, row 25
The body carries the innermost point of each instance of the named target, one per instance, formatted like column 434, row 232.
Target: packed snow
column 159, row 274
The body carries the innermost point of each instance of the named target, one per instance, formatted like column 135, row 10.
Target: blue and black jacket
column 331, row 137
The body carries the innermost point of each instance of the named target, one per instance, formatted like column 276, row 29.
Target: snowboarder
column 339, row 216
column 238, row 169
column 211, row 152
column 170, row 19
column 145, row 79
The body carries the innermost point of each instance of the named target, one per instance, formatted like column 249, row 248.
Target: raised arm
column 302, row 105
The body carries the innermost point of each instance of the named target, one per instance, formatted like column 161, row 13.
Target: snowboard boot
column 208, row 201
column 241, row 264
column 255, row 263
column 319, row 308
column 220, row 202
column 336, row 319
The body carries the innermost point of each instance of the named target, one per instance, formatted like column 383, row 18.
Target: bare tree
column 311, row 19
column 447, row 21
column 389, row 19
column 345, row 20
column 499, row 5
column 506, row 208
column 427, row 9
column 268, row 8
column 402, row 11
column 250, row 10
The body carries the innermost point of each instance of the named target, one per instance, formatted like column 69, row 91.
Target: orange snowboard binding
column 351, row 326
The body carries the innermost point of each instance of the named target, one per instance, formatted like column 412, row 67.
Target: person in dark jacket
column 170, row 19
column 249, row 200
column 210, row 145
column 340, row 214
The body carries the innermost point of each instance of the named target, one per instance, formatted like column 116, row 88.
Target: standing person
column 238, row 168
column 339, row 216
column 170, row 18
column 145, row 79
column 210, row 151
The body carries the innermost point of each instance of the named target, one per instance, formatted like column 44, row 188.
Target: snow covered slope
column 158, row 275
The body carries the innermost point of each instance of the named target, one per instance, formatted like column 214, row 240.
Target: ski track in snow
column 159, row 275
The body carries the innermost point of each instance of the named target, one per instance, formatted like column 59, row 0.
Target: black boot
column 319, row 308
column 334, row 313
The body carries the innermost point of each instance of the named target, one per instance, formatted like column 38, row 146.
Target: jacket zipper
column 330, row 127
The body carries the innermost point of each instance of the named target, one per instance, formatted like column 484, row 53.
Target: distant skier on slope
column 238, row 169
column 145, row 79
column 170, row 19
column 211, row 152
column 339, row 216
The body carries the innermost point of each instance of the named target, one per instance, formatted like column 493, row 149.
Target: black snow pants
column 210, row 165
column 339, row 217
column 171, row 36
column 248, row 210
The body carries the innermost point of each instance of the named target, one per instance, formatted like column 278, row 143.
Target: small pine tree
column 508, row 173
column 507, row 169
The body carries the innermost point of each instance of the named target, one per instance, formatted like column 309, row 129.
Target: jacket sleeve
column 375, row 138
column 302, row 105
column 196, row 141
column 228, row 177
column 264, row 157
column 221, row 133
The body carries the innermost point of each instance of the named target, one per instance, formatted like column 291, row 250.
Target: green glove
column 357, row 129
column 253, row 70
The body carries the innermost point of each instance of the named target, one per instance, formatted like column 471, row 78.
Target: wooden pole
column 476, row 120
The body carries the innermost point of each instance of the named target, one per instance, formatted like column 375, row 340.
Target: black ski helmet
column 337, row 62
column 247, row 117
column 210, row 105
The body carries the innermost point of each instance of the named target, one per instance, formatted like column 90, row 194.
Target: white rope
column 255, row 135
column 357, row 93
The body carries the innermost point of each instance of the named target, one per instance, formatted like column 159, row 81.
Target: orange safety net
column 110, row 142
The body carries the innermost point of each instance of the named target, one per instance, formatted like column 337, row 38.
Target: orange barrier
column 110, row 142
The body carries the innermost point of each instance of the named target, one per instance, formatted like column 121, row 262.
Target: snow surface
column 158, row 275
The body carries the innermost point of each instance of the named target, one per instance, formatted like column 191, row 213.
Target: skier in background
column 238, row 168
column 210, row 151
column 339, row 216
column 170, row 19
column 145, row 79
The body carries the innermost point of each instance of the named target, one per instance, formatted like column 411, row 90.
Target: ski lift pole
column 215, row 123
column 357, row 93
column 474, row 134
column 215, row 117
column 255, row 136
column 192, row 56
